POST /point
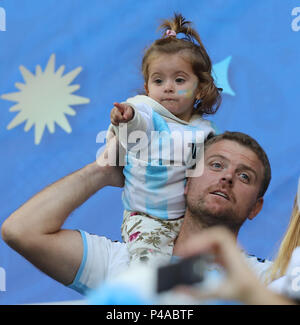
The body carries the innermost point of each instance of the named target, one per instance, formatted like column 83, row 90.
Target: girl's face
column 173, row 84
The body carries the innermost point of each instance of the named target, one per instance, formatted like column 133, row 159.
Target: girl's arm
column 121, row 113
column 126, row 119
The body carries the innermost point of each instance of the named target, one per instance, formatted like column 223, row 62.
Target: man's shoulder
column 256, row 259
column 257, row 264
column 100, row 244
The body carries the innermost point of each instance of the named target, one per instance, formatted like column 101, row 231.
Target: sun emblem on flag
column 45, row 99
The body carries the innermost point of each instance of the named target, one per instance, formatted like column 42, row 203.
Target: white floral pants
column 149, row 239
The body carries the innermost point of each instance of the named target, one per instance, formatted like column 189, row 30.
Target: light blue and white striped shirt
column 156, row 164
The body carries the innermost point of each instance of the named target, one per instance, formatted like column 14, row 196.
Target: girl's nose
column 169, row 87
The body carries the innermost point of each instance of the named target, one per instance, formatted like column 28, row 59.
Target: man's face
column 227, row 191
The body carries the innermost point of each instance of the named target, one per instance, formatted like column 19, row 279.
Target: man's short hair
column 246, row 141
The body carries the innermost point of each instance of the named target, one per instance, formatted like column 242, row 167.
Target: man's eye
column 244, row 177
column 216, row 165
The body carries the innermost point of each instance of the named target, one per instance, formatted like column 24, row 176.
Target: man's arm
column 34, row 230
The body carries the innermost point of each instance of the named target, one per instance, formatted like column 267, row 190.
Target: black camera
column 186, row 271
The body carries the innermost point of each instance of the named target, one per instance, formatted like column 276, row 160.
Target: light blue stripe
column 127, row 171
column 157, row 176
column 77, row 285
column 159, row 211
column 159, row 124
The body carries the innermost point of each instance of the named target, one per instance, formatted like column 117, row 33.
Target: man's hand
column 240, row 283
column 112, row 173
column 121, row 113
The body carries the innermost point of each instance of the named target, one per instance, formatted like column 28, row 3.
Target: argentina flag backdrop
column 63, row 64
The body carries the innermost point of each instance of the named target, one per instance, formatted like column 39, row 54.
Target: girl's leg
column 149, row 239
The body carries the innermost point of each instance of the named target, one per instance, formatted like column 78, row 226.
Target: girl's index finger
column 120, row 107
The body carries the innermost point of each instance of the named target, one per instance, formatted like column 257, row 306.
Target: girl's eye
column 158, row 81
column 180, row 80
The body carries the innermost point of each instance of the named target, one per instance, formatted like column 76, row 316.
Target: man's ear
column 256, row 209
column 186, row 186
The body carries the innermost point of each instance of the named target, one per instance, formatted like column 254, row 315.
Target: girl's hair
column 190, row 44
column 290, row 241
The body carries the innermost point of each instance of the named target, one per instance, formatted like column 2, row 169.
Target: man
column 235, row 177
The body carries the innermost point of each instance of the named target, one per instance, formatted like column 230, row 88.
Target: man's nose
column 227, row 179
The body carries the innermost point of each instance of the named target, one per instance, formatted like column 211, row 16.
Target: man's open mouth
column 222, row 194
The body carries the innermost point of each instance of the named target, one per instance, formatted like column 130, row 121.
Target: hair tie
column 171, row 32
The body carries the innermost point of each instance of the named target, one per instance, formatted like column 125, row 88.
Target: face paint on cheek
column 188, row 93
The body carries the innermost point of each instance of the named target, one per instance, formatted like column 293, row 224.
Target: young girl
column 179, row 91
